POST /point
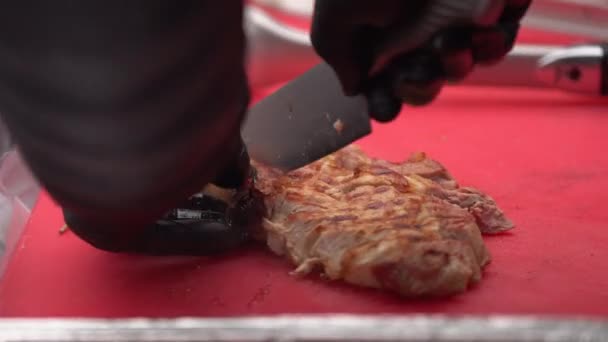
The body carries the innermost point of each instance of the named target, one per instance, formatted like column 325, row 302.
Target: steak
column 408, row 227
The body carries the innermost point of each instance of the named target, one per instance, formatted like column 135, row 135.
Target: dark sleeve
column 123, row 108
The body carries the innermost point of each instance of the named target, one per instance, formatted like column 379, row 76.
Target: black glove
column 122, row 109
column 201, row 225
column 350, row 36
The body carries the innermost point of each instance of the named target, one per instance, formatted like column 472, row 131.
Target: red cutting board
column 540, row 154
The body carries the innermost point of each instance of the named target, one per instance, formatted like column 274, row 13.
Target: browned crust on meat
column 408, row 228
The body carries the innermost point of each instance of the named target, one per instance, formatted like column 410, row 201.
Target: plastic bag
column 18, row 195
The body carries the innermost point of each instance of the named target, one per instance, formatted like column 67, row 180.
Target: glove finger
column 382, row 104
column 419, row 94
column 335, row 42
column 385, row 103
column 345, row 34
column 418, row 78
column 415, row 79
column 337, row 48
column 490, row 45
column 454, row 49
column 509, row 31
column 457, row 64
column 515, row 10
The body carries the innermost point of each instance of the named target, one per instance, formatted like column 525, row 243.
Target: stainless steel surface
column 274, row 43
column 586, row 18
column 519, row 68
column 305, row 120
column 575, row 69
column 309, row 328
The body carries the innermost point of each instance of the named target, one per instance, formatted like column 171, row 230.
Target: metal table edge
column 330, row 327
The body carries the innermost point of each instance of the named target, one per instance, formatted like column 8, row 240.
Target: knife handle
column 413, row 78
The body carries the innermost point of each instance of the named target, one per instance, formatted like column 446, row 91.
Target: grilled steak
column 407, row 228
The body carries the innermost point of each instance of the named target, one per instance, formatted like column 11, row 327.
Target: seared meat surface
column 403, row 227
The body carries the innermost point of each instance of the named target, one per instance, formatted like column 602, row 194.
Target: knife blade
column 305, row 120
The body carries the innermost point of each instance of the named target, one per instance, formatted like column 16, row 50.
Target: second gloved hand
column 396, row 51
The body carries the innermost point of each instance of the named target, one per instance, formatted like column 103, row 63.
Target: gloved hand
column 123, row 109
column 362, row 41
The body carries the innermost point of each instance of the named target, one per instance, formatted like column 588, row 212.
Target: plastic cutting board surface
column 540, row 154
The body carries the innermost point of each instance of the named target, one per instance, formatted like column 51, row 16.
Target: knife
column 311, row 117
column 304, row 121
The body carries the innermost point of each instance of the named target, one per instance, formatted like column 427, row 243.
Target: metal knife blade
column 305, row 120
